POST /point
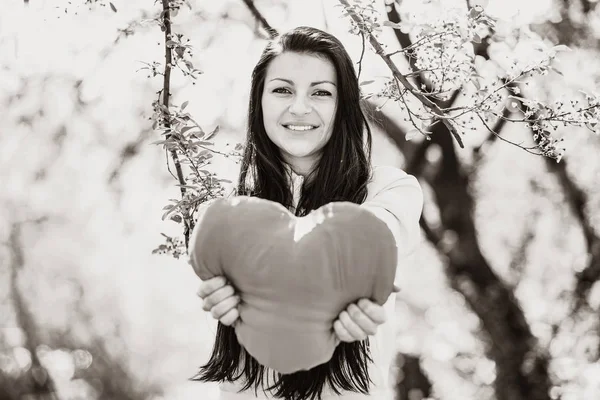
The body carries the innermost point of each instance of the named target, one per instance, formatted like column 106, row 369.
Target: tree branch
column 402, row 79
column 521, row 367
column 128, row 152
column 272, row 32
column 414, row 383
column 577, row 200
column 576, row 197
column 109, row 376
column 166, row 94
column 36, row 380
column 512, row 344
column 108, row 373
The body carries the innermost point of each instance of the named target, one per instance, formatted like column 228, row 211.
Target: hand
column 220, row 299
column 358, row 321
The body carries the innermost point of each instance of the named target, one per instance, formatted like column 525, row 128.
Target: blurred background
column 501, row 301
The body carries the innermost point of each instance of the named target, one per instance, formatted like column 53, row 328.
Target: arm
column 396, row 198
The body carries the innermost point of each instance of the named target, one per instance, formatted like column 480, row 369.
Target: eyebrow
column 312, row 84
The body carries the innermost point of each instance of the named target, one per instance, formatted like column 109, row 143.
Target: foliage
column 184, row 139
column 443, row 54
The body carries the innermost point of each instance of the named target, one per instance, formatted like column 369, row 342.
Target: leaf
column 189, row 65
column 184, row 105
column 412, row 134
column 112, row 7
column 166, row 214
column 391, row 24
column 561, row 47
column 364, row 83
column 213, row 133
column 177, row 218
column 475, row 11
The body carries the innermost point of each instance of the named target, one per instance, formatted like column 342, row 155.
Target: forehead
column 301, row 68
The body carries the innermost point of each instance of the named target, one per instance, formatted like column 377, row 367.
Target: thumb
column 396, row 289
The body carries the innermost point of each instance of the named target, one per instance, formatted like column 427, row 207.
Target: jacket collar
column 295, row 182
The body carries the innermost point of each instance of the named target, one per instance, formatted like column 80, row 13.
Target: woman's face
column 299, row 101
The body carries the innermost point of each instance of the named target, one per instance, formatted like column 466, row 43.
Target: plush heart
column 294, row 274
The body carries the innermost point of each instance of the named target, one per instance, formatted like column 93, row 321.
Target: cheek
column 271, row 110
column 268, row 113
column 331, row 110
column 331, row 116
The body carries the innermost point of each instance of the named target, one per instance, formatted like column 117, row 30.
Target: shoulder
column 385, row 177
column 397, row 199
column 387, row 172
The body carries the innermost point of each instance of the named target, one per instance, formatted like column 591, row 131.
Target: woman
column 308, row 144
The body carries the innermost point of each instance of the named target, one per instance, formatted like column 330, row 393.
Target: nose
column 300, row 106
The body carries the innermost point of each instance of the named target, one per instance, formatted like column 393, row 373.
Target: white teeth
column 300, row 127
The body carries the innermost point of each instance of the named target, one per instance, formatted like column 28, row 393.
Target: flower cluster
column 181, row 52
column 442, row 56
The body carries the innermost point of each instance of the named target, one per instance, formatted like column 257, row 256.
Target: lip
column 314, row 126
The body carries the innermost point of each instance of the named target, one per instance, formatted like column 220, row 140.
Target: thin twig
column 438, row 113
column 362, row 55
column 166, row 93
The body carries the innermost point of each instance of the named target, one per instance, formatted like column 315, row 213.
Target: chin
column 301, row 155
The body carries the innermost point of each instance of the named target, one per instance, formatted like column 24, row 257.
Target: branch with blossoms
column 441, row 54
column 188, row 147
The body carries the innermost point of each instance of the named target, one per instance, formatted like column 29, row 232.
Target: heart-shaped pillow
column 294, row 274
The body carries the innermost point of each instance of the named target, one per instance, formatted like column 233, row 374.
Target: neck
column 302, row 167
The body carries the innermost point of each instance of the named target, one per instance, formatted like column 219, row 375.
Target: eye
column 281, row 90
column 322, row 93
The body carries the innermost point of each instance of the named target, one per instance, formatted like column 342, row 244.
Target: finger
column 342, row 333
column 362, row 320
column 353, row 329
column 396, row 289
column 224, row 307
column 373, row 310
column 217, row 296
column 230, row 317
column 210, row 285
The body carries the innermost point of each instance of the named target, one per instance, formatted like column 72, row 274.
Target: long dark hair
column 341, row 174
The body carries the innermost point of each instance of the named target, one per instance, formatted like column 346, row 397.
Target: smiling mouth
column 300, row 128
